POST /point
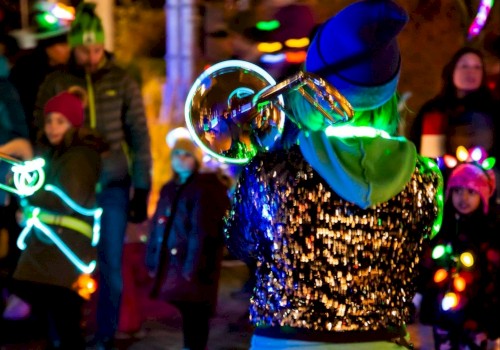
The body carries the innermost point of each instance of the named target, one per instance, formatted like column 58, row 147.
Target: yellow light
column 459, row 284
column 462, row 153
column 297, row 43
column 467, row 259
column 269, row 47
column 440, row 275
column 449, row 301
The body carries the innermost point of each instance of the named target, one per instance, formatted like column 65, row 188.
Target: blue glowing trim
column 199, row 83
column 95, row 212
column 35, row 222
column 240, row 93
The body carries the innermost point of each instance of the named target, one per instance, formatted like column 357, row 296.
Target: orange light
column 450, row 161
column 440, row 275
column 459, row 284
column 296, row 57
column 85, row 286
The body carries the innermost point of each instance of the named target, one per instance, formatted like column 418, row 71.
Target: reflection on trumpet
column 235, row 108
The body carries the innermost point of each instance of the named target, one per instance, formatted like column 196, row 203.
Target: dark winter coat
column 469, row 121
column 120, row 119
column 474, row 233
column 191, row 218
column 73, row 167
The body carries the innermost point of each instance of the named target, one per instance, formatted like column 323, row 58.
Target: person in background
column 464, row 113
column 30, row 69
column 186, row 244
column 58, row 236
column 336, row 221
column 459, row 295
column 115, row 110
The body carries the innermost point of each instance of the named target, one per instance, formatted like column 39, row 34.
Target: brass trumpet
column 235, row 108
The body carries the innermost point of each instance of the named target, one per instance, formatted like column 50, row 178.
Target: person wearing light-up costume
column 61, row 223
column 337, row 220
column 460, row 269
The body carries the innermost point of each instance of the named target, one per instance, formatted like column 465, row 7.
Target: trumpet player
column 336, row 220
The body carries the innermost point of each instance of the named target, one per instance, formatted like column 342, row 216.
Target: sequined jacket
column 326, row 264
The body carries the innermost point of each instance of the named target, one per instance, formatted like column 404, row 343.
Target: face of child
column 468, row 73
column 56, row 125
column 183, row 163
column 465, row 200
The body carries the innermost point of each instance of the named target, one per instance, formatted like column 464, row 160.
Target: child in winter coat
column 460, row 267
column 61, row 224
column 186, row 244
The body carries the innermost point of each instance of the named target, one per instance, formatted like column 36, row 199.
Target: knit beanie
column 356, row 51
column 189, row 146
column 68, row 105
column 473, row 177
column 87, row 27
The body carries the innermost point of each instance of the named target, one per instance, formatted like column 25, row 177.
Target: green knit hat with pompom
column 87, row 27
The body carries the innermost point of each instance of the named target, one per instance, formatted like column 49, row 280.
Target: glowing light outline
column 199, row 81
column 21, row 171
column 96, row 213
column 35, row 222
column 479, row 21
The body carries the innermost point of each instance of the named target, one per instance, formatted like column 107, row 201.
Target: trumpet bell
column 235, row 108
column 220, row 114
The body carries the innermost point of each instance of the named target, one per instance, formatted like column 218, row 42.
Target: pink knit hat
column 473, row 177
column 68, row 105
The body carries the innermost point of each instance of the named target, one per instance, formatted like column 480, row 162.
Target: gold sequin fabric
column 324, row 263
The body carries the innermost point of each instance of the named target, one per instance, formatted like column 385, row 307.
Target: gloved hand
column 138, row 206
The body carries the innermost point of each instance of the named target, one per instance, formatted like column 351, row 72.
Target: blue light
column 35, row 222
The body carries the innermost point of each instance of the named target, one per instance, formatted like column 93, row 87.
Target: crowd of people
column 351, row 230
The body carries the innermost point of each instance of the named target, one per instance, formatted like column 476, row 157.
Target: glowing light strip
column 28, row 177
column 345, row 131
column 436, row 226
column 481, row 17
column 95, row 212
column 35, row 222
column 199, row 83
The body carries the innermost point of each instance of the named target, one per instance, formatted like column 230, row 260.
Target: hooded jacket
column 330, row 241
